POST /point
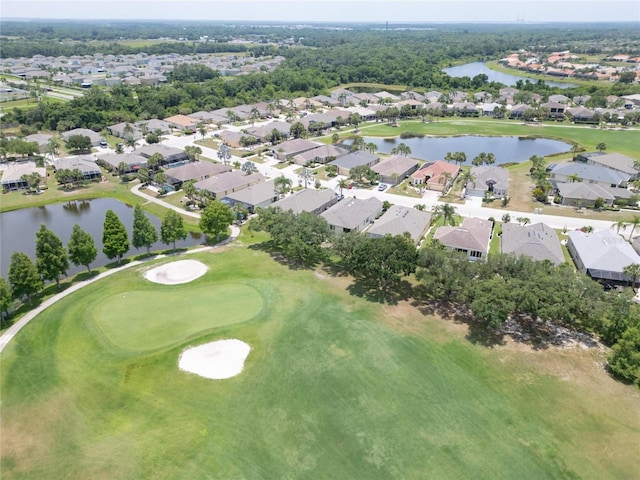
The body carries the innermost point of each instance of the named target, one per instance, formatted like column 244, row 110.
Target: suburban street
column 471, row 208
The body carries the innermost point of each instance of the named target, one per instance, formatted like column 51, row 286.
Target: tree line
column 502, row 290
column 26, row 278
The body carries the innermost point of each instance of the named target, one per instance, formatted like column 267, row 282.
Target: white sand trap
column 182, row 271
column 215, row 360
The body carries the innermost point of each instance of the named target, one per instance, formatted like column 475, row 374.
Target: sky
column 401, row 11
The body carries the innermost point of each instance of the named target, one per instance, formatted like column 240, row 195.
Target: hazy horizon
column 329, row 11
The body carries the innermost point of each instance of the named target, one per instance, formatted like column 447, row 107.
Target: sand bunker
column 215, row 360
column 182, row 271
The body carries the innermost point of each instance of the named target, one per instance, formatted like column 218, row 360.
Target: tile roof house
column 490, row 180
column 225, row 183
column 472, row 237
column 398, row 220
column 11, row 178
column 111, row 161
column 85, row 132
column 169, row 154
column 320, row 154
column 538, row 241
column 194, row 171
column 583, row 194
column 594, row 174
column 395, row 169
column 614, row 161
column 308, row 200
column 85, row 164
column 433, row 174
column 260, row 195
column 182, row 122
column 355, row 159
column 602, row 255
column 352, row 214
column 286, row 150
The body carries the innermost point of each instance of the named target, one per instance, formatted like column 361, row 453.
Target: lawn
column 334, row 387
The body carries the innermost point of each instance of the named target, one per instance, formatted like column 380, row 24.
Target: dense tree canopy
column 51, row 256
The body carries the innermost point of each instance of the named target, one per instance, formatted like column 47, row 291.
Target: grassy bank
column 334, row 387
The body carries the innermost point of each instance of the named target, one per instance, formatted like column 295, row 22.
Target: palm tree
column 342, row 184
column 466, row 177
column 575, row 149
column 447, row 212
column 446, row 179
column 634, row 222
column 130, row 142
column 154, row 161
column 506, row 218
column 523, row 221
column 306, row 175
column 282, row 183
column 202, row 129
column 633, row 271
column 574, row 177
column 620, row 225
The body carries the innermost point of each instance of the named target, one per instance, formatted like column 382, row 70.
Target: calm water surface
column 472, row 69
column 18, row 228
column 506, row 149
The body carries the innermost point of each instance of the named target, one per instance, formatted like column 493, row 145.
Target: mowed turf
column 155, row 317
column 334, row 387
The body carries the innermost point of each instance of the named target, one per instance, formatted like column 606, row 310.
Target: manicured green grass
column 171, row 314
column 334, row 387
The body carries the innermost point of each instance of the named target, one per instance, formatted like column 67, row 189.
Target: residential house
column 399, row 220
column 222, row 185
column 489, row 180
column 85, row 132
column 434, row 175
column 259, row 195
column 581, row 115
column 195, row 172
column 472, row 237
column 614, row 161
column 602, row 255
column 154, row 125
column 264, row 132
column 112, row 161
column 355, row 159
column 308, row 200
column 285, row 151
column 579, row 194
column 395, row 169
column 42, row 139
column 233, row 139
column 589, row 173
column 12, row 175
column 352, row 214
column 88, row 167
column 320, row 154
column 182, row 122
column 537, row 241
column 517, row 111
column 125, row 130
column 556, row 110
column 170, row 155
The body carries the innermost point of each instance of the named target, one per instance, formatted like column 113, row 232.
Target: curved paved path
column 11, row 332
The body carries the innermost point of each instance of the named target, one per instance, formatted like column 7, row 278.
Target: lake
column 18, row 228
column 472, row 69
column 506, row 149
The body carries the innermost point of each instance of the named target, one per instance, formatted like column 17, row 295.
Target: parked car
column 382, row 187
column 103, row 144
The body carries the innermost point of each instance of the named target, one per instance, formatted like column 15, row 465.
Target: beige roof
column 472, row 235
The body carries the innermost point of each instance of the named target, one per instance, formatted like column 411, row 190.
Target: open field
column 334, row 387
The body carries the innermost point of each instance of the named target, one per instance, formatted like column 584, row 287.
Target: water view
column 472, row 69
column 18, row 228
column 506, row 149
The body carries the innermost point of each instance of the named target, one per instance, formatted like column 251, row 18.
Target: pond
column 18, row 228
column 472, row 69
column 505, row 149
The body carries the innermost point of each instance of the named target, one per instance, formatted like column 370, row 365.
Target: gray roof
column 398, row 219
column 397, row 164
column 589, row 172
column 255, row 194
column 355, row 159
column 488, row 173
column 13, row 172
column 615, row 161
column 307, row 200
column 196, row 171
column 164, row 150
column 604, row 253
column 85, row 164
column 320, row 152
column 352, row 212
column 537, row 241
column 85, row 132
column 583, row 191
column 296, row 145
column 472, row 235
column 228, row 182
column 131, row 159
